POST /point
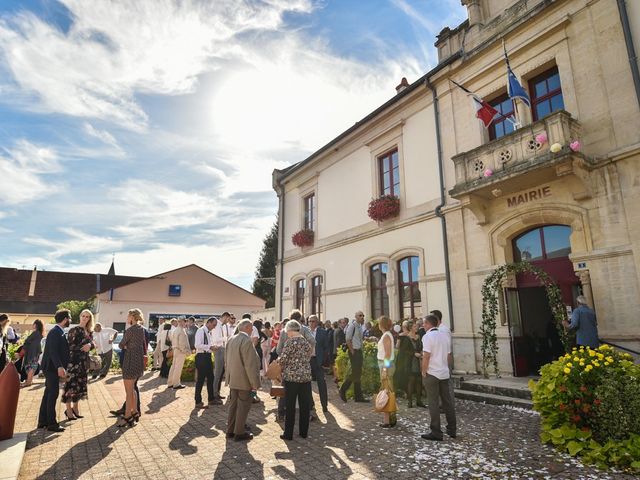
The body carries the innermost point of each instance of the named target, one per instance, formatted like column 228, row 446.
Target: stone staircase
column 513, row 392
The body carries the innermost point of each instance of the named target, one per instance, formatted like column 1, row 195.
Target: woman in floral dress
column 80, row 342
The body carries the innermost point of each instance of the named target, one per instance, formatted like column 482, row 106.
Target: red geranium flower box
column 383, row 208
column 302, row 238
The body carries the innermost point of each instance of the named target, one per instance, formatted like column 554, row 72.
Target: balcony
column 517, row 161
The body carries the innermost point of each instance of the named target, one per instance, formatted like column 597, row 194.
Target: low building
column 27, row 295
column 184, row 292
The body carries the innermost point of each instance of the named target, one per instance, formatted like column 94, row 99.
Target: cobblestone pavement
column 173, row 441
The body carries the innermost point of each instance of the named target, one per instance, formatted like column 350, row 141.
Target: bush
column 370, row 371
column 589, row 401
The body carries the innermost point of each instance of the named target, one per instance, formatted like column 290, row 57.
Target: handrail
column 619, row 346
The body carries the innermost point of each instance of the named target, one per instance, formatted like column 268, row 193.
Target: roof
column 53, row 288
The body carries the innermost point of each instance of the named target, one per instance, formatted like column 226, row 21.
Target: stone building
column 473, row 198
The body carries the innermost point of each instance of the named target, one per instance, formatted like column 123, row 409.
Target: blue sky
column 149, row 129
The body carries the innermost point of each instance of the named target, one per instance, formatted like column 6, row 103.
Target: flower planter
column 384, row 208
column 302, row 238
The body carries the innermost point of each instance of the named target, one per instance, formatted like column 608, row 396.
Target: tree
column 264, row 285
column 76, row 306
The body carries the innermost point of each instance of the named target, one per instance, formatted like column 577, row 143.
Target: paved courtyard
column 173, row 441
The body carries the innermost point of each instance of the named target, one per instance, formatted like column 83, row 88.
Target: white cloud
column 105, row 137
column 22, row 168
column 74, row 242
column 115, row 49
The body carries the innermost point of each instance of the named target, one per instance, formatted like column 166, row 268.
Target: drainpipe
column 631, row 51
column 438, row 209
column 281, row 218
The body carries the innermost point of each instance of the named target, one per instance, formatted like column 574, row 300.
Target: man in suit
column 243, row 378
column 321, row 349
column 54, row 363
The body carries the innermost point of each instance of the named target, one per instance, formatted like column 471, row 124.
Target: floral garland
column 490, row 288
column 302, row 238
column 383, row 208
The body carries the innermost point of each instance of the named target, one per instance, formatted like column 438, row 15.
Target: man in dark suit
column 321, row 349
column 54, row 363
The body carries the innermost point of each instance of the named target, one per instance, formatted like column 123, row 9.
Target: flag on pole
column 514, row 88
column 484, row 112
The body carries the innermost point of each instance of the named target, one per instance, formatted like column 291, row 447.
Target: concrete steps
column 512, row 392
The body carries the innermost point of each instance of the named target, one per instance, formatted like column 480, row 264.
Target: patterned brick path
column 173, row 441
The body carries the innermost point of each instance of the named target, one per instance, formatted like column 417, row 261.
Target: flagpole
column 516, row 124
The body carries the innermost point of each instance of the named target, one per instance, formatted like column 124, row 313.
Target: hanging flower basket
column 383, row 208
column 302, row 238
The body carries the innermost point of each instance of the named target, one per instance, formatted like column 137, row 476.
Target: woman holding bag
column 386, row 357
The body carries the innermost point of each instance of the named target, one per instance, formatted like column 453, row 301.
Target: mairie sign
column 529, row 196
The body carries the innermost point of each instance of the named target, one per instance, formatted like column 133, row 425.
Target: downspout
column 281, row 219
column 631, row 51
column 438, row 209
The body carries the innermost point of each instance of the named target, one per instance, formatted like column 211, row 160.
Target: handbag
column 277, row 390
column 169, row 354
column 386, row 398
column 95, row 362
column 274, row 371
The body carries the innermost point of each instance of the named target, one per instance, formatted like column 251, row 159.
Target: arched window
column 410, row 299
column 301, row 285
column 378, row 285
column 316, row 296
column 543, row 243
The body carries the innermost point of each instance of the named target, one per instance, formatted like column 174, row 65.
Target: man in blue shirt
column 583, row 320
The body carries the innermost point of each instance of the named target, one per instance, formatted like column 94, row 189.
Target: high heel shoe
column 125, row 422
column 69, row 417
column 136, row 416
column 76, row 413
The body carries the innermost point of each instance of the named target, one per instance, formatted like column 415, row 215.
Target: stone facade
column 592, row 190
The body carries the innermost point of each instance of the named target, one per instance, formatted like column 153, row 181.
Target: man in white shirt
column 436, row 357
column 204, row 365
column 103, row 338
column 220, row 336
column 443, row 328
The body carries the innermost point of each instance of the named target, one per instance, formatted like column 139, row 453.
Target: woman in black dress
column 4, row 349
column 80, row 342
column 407, row 376
column 134, row 344
column 32, row 348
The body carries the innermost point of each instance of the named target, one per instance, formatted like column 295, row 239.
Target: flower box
column 383, row 208
column 302, row 238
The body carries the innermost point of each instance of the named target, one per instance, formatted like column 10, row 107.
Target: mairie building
column 555, row 182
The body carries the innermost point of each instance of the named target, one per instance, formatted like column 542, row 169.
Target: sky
column 149, row 129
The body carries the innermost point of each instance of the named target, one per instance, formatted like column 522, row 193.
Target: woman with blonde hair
column 407, row 376
column 80, row 342
column 134, row 345
column 386, row 357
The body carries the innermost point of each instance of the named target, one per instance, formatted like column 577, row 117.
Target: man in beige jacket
column 181, row 348
column 242, row 375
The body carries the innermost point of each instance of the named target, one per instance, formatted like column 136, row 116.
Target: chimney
column 474, row 11
column 403, row 84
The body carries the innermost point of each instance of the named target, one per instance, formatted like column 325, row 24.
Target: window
column 301, row 285
column 546, row 94
column 503, row 123
column 543, row 243
column 389, row 169
column 316, row 296
column 379, row 295
column 175, row 290
column 410, row 300
column 309, row 211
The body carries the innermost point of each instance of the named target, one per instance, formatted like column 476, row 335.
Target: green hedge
column 370, row 371
column 589, row 401
column 188, row 369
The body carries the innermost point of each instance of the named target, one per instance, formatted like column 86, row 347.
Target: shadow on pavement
column 195, row 427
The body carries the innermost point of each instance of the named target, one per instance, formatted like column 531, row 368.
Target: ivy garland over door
column 491, row 287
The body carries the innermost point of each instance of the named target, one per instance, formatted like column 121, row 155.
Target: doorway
column 534, row 336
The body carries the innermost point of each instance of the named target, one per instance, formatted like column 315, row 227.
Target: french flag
column 484, row 112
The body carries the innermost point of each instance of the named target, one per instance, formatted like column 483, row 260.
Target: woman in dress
column 296, row 375
column 32, row 348
column 164, row 341
column 275, row 338
column 80, row 342
column 257, row 324
column 266, row 346
column 134, row 344
column 386, row 364
column 407, row 376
